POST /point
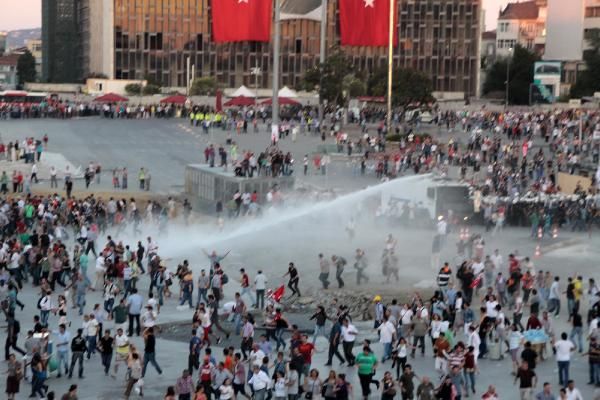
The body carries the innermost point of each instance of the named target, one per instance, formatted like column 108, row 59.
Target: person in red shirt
column 513, row 263
column 533, row 322
column 245, row 284
column 307, row 350
column 228, row 359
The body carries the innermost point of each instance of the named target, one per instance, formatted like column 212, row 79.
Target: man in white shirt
column 572, row 392
column 497, row 260
column 387, row 334
column 563, row 348
column 474, row 340
column 259, row 382
column 148, row 317
column 256, row 356
column 260, row 284
column 349, row 333
column 100, row 271
column 554, row 297
column 90, row 330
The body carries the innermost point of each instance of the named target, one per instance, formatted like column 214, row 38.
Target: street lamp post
column 508, row 76
column 256, row 71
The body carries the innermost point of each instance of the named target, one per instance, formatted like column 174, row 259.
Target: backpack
column 224, row 279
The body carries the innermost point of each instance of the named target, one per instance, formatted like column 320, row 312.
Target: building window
column 299, row 46
column 504, row 26
column 199, row 44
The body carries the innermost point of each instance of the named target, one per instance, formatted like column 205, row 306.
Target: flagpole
column 276, row 46
column 390, row 67
column 322, row 54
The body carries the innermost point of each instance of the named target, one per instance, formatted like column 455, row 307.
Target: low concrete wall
column 50, row 88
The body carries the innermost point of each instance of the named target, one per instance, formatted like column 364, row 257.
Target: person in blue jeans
column 577, row 331
column 63, row 339
column 563, row 348
column 281, row 324
column 187, row 291
column 150, row 351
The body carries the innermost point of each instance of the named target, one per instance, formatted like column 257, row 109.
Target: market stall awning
column 175, row 99
column 243, row 91
column 287, row 92
column 240, row 101
column 111, row 98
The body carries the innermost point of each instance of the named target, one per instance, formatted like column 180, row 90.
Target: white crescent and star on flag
column 369, row 3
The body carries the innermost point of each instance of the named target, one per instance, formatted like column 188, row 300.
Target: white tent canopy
column 287, row 92
column 243, row 91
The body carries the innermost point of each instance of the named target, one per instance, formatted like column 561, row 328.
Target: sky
column 22, row 14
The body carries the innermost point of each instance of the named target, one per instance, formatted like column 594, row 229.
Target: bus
column 21, row 96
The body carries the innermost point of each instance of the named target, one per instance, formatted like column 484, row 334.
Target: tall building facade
column 141, row 39
column 522, row 23
column 61, row 44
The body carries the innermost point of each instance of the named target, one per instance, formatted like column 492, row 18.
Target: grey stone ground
column 171, row 355
column 166, row 147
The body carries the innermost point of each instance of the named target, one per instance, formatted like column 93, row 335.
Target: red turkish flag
column 366, row 22
column 241, row 20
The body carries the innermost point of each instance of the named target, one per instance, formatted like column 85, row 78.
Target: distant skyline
column 25, row 14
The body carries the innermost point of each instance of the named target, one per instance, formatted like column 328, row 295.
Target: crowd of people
column 485, row 309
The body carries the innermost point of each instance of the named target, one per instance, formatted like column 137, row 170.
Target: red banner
column 241, row 20
column 366, row 22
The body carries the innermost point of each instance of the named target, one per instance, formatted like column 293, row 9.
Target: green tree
column 333, row 78
column 150, row 89
column 26, row 67
column 203, row 86
column 408, row 85
column 588, row 80
column 133, row 89
column 520, row 75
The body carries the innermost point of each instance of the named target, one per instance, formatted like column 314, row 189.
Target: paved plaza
column 165, row 147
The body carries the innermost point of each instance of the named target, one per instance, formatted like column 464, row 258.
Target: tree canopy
column 408, row 85
column 338, row 80
column 26, row 67
column 203, row 86
column 521, row 67
column 588, row 80
column 334, row 78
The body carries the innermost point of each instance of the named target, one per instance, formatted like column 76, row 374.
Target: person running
column 293, row 280
column 367, row 363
